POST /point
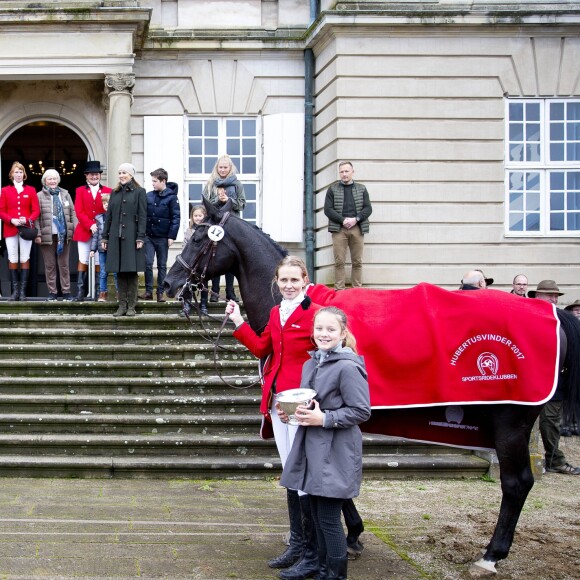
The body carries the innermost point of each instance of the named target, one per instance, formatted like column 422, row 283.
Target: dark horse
column 252, row 256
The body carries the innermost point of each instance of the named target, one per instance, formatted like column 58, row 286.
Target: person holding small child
column 55, row 226
column 97, row 247
column 326, row 458
column 223, row 186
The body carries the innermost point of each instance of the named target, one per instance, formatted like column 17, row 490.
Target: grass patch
column 387, row 539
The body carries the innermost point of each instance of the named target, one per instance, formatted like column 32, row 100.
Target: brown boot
column 102, row 297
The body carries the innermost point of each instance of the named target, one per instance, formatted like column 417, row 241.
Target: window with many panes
column 543, row 167
column 207, row 140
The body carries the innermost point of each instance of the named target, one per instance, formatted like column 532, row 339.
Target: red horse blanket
column 429, row 347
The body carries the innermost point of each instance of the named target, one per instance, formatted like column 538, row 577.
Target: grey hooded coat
column 327, row 461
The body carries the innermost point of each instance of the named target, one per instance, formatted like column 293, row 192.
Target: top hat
column 545, row 287
column 93, row 167
column 574, row 304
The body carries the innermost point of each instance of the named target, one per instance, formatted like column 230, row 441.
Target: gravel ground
column 440, row 527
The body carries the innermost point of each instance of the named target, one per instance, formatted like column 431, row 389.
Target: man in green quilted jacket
column 347, row 207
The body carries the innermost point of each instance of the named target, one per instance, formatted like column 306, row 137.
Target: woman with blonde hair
column 18, row 207
column 124, row 237
column 55, row 225
column 221, row 187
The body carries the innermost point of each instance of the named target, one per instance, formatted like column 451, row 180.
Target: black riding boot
column 294, row 550
column 307, row 567
column 230, row 294
column 82, row 279
column 215, row 290
column 354, row 526
column 203, row 302
column 337, row 568
column 15, row 285
column 23, row 284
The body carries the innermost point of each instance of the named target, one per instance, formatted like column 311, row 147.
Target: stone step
column 141, row 404
column 123, row 352
column 135, row 423
column 246, row 467
column 182, row 386
column 89, row 322
column 129, row 368
column 137, row 335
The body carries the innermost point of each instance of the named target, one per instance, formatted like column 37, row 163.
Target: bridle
column 196, row 281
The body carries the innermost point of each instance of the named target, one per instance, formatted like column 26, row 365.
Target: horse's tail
column 571, row 366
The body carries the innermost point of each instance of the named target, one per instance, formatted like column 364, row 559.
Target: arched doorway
column 42, row 145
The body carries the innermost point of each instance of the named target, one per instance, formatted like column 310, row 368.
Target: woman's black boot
column 354, row 526
column 307, row 567
column 15, row 285
column 23, row 284
column 337, row 568
column 81, row 278
column 294, row 551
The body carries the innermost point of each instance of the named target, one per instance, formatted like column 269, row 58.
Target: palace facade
column 461, row 117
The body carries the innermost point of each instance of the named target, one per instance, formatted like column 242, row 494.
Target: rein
column 196, row 281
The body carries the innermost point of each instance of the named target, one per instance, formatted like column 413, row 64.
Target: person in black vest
column 347, row 207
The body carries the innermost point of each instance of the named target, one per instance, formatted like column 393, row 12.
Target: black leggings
column 326, row 513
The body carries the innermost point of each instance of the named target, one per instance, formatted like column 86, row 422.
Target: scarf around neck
column 287, row 307
column 228, row 183
column 58, row 217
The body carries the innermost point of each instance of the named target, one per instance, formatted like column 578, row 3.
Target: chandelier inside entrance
column 63, row 168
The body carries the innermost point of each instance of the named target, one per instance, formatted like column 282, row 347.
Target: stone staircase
column 83, row 394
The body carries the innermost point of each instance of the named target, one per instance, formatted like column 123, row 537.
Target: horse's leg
column 512, row 425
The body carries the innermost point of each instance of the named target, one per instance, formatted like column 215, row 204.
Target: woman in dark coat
column 124, row 237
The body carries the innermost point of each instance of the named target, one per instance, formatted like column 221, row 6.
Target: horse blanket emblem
column 215, row 233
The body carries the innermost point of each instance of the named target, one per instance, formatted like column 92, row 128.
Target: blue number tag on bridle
column 215, row 233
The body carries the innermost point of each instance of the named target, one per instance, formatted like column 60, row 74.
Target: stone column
column 118, row 89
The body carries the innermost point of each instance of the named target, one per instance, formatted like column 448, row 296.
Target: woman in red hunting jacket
column 18, row 207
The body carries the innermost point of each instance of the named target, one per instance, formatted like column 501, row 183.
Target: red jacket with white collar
column 287, row 346
column 86, row 208
column 14, row 205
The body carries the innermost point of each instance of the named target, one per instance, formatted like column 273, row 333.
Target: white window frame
column 245, row 178
column 544, row 167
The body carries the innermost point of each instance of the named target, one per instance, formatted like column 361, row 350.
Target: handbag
column 27, row 232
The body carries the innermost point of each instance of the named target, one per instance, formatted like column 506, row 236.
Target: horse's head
column 205, row 255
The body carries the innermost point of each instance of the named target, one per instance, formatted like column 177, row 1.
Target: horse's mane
column 571, row 367
column 282, row 251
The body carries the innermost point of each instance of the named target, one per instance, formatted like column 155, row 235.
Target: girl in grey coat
column 326, row 457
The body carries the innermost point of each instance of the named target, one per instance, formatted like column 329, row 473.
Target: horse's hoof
column 482, row 568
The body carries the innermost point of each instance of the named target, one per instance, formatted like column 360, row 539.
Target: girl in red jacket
column 18, row 207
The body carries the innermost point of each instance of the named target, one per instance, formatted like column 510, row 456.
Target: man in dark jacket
column 163, row 218
column 347, row 207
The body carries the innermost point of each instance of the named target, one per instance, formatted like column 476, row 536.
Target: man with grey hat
column 547, row 290
column 551, row 415
column 574, row 308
